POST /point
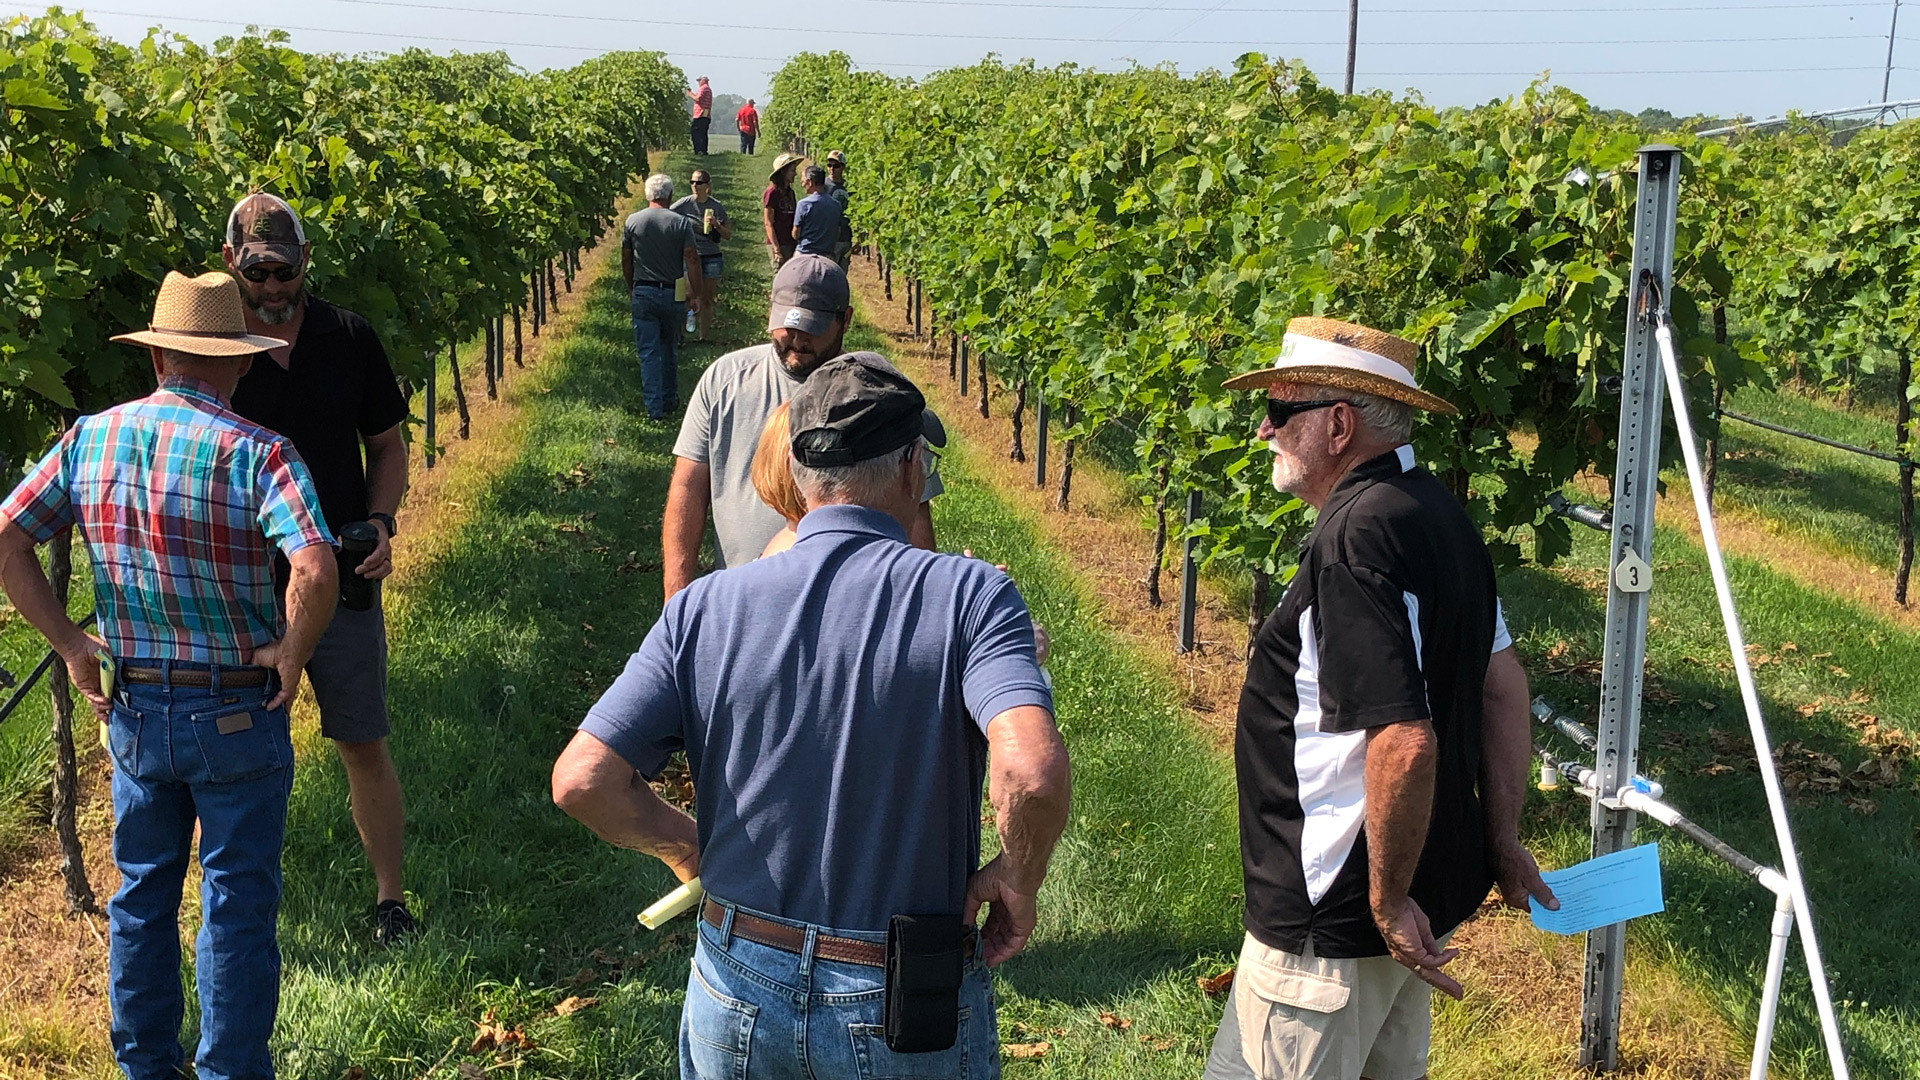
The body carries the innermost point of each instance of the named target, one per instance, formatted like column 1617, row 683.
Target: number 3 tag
column 1632, row 574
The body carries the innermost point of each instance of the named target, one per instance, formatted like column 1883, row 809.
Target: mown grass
column 26, row 738
column 1837, row 501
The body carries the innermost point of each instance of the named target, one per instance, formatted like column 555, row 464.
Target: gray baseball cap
column 809, row 292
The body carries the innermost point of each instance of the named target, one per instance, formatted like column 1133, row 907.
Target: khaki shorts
column 1303, row 1017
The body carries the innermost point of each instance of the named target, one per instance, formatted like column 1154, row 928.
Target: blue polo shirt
column 832, row 701
column 818, row 218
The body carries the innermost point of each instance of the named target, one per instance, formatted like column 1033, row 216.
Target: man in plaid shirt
column 182, row 504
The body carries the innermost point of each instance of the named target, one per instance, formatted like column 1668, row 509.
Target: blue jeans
column 657, row 320
column 173, row 766
column 758, row 1013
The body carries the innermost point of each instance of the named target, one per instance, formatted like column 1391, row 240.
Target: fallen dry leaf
column 1863, row 807
column 1217, row 985
column 574, row 1004
column 489, row 1035
column 1117, row 1023
column 1157, row 1043
column 1027, row 1049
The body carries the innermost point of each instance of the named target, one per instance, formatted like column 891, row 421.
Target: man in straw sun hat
column 1382, row 746
column 182, row 504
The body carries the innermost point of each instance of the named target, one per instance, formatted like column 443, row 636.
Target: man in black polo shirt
column 1382, row 746
column 333, row 393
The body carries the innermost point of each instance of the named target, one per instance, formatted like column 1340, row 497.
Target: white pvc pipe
column 1770, row 987
column 1750, row 697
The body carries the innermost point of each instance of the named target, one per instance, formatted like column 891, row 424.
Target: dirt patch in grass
column 1105, row 531
column 53, row 1005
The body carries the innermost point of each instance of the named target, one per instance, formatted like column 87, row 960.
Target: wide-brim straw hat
column 202, row 316
column 785, row 159
column 1346, row 356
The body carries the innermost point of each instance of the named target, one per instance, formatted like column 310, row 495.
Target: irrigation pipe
column 1750, row 697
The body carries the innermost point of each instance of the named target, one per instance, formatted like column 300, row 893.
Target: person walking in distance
column 710, row 226
column 777, row 209
column 836, row 190
column 747, row 120
column 838, row 773
column 1382, row 747
column 816, row 220
column 713, row 456
column 332, row 392
column 656, row 249
column 702, row 97
column 183, row 504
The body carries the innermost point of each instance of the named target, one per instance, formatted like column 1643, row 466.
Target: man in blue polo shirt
column 836, row 704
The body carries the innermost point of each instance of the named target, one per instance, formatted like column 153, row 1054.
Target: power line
column 1385, row 11
column 1162, row 41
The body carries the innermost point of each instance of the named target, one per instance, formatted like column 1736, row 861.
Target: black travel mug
column 357, row 541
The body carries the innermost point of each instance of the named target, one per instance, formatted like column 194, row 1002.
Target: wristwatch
column 385, row 519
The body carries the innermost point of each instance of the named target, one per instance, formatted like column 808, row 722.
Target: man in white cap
column 713, row 466
column 1382, row 748
column 183, row 506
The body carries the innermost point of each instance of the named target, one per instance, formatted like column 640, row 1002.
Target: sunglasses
column 702, row 183
column 1279, row 412
column 258, row 274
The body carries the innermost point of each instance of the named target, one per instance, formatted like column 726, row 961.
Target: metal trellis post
column 1642, row 407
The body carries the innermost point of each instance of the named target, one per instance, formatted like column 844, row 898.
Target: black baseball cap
column 263, row 228
column 854, row 408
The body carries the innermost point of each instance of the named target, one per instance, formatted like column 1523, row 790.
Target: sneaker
column 392, row 923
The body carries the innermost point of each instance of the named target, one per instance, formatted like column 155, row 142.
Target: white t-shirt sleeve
column 1501, row 639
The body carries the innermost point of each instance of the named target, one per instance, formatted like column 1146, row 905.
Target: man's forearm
column 1506, row 748
column 312, row 592
column 681, row 527
column 626, row 266
column 1402, row 760
column 1031, row 792
column 637, row 819
column 32, row 594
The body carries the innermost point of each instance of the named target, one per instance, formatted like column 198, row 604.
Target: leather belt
column 653, row 284
column 195, row 677
column 793, row 939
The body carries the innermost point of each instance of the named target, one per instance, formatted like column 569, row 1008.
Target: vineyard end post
column 1617, row 754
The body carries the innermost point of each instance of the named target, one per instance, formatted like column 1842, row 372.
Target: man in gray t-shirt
column 656, row 249
column 730, row 406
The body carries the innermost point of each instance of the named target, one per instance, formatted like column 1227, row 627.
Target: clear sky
column 1722, row 57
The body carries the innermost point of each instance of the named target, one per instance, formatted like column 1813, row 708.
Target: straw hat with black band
column 1345, row 356
column 784, row 160
column 201, row 316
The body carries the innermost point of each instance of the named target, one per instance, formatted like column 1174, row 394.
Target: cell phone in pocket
column 926, row 961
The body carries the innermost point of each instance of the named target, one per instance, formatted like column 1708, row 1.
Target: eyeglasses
column 702, row 183
column 258, row 274
column 1279, row 412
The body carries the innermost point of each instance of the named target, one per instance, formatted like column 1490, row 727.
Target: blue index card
column 1603, row 891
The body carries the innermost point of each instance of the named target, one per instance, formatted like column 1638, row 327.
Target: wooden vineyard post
column 933, row 330
column 1018, row 451
column 1061, row 501
column 984, row 405
column 553, row 290
column 459, row 392
column 433, row 405
column 1159, row 536
column 1189, row 576
column 1719, row 398
column 1257, row 606
column 493, row 386
column 919, row 302
column 1902, row 429
column 539, row 316
column 1040, row 442
column 66, row 769
column 886, row 275
column 953, row 354
column 516, row 337
column 906, row 305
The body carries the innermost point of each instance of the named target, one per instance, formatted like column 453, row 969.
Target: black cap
column 853, row 408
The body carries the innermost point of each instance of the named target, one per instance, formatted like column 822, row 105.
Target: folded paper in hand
column 1603, row 891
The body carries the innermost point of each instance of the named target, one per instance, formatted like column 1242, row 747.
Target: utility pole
column 1886, row 80
column 1353, row 36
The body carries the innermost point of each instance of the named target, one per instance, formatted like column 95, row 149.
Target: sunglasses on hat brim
column 1279, row 411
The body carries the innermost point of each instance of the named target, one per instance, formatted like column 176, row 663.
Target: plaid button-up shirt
column 182, row 504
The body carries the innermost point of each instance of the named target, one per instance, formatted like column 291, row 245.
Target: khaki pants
column 1303, row 1017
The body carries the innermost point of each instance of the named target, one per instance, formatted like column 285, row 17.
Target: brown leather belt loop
column 235, row 677
column 793, row 939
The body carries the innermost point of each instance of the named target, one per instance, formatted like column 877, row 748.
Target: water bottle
column 693, row 320
column 357, row 541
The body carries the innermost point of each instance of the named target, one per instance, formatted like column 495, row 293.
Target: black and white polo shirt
column 1391, row 618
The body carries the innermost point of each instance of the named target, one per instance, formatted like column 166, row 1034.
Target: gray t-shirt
column 659, row 239
column 721, row 429
column 832, row 701
column 696, row 213
column 818, row 219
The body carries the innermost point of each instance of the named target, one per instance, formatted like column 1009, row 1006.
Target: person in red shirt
column 702, row 99
column 748, row 121
column 776, row 209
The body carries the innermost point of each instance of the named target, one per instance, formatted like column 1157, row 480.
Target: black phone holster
column 926, row 957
